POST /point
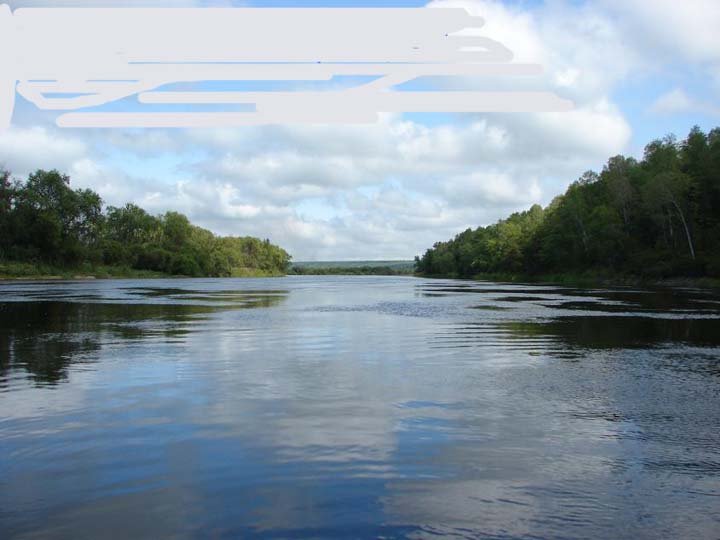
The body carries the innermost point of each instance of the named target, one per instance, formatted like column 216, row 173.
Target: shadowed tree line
column 44, row 221
column 658, row 217
column 365, row 270
column 45, row 337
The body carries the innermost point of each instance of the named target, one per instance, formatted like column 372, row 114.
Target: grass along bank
column 39, row 271
column 587, row 279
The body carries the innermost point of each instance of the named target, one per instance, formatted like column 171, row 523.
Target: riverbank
column 33, row 271
column 353, row 268
column 350, row 271
column 591, row 280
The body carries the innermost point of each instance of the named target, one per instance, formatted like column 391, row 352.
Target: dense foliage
column 656, row 218
column 43, row 220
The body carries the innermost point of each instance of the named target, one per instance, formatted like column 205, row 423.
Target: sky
column 635, row 69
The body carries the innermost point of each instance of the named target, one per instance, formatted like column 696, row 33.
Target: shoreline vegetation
column 655, row 221
column 353, row 268
column 588, row 280
column 48, row 230
column 33, row 272
column 42, row 272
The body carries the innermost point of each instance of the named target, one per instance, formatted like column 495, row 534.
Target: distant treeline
column 351, row 270
column 655, row 218
column 44, row 221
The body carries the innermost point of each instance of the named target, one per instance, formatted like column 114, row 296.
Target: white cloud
column 23, row 150
column 511, row 26
column 673, row 101
column 492, row 188
column 677, row 101
column 685, row 30
column 579, row 46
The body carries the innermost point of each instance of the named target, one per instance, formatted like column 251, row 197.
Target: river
column 357, row 407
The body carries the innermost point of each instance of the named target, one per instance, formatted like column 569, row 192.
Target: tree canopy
column 657, row 217
column 42, row 219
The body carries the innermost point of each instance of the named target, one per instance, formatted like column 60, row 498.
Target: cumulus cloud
column 23, row 150
column 677, row 101
column 580, row 47
column 685, row 30
column 672, row 102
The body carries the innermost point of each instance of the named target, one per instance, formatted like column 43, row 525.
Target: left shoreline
column 14, row 279
column 30, row 273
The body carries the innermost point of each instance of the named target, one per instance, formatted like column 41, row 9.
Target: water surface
column 357, row 407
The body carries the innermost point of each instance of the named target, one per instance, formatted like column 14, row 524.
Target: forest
column 655, row 218
column 44, row 223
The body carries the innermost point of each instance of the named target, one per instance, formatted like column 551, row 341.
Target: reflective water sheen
column 357, row 407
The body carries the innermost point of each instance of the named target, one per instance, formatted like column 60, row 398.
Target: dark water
column 357, row 407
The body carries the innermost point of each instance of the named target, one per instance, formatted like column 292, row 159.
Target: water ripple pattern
column 357, row 407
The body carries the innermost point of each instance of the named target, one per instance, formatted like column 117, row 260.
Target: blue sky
column 636, row 70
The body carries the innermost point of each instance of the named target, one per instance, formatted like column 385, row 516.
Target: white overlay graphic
column 74, row 59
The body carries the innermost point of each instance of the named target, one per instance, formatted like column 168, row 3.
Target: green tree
column 658, row 217
column 54, row 222
column 43, row 219
column 668, row 194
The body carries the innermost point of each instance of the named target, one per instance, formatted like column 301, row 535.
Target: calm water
column 357, row 407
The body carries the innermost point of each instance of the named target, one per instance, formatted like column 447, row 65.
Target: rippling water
column 357, row 407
